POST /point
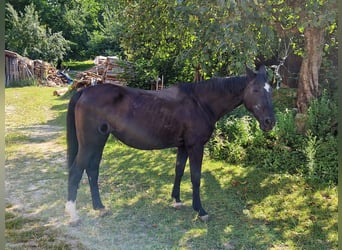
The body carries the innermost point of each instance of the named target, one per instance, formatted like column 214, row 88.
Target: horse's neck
column 222, row 96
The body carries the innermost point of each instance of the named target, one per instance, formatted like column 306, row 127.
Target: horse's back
column 172, row 93
column 101, row 92
column 144, row 119
column 140, row 118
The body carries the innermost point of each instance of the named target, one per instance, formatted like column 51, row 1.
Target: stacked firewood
column 48, row 75
column 55, row 78
column 113, row 72
column 106, row 70
column 87, row 78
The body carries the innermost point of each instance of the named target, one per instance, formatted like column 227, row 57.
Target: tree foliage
column 184, row 36
column 182, row 40
column 312, row 20
column 219, row 37
column 25, row 35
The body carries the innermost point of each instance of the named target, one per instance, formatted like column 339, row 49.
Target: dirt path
column 24, row 188
column 36, row 177
column 35, row 183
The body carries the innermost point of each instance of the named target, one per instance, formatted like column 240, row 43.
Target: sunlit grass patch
column 79, row 65
column 34, row 105
column 16, row 137
column 301, row 215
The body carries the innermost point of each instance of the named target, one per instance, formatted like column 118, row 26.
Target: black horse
column 181, row 116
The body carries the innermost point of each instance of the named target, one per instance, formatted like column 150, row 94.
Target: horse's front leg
column 182, row 156
column 195, row 157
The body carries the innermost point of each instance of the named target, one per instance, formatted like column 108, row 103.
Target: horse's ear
column 249, row 72
column 262, row 69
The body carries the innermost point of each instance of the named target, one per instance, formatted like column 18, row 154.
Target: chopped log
column 60, row 92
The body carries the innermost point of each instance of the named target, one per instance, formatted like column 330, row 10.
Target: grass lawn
column 249, row 208
column 77, row 65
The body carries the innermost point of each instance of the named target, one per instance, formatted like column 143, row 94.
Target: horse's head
column 258, row 98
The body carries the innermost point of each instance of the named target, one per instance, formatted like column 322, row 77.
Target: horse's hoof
column 178, row 205
column 103, row 212
column 75, row 222
column 203, row 218
column 70, row 210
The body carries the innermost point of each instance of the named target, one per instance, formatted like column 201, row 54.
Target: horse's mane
column 233, row 84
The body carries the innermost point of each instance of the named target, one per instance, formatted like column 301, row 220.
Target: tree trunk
column 308, row 76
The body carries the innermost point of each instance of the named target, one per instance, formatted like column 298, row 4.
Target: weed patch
column 310, row 151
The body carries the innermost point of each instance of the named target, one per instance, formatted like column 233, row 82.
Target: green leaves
column 26, row 35
column 174, row 37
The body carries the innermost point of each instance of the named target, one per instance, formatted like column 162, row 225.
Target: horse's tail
column 72, row 143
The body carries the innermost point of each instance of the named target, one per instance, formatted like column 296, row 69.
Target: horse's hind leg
column 88, row 158
column 93, row 174
column 75, row 175
column 93, row 153
column 182, row 156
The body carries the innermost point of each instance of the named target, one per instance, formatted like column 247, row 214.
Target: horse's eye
column 255, row 90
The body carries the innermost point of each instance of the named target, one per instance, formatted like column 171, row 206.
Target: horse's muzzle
column 267, row 124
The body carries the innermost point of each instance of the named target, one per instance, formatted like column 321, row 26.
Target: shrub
column 286, row 129
column 322, row 115
column 326, row 167
column 232, row 136
column 238, row 139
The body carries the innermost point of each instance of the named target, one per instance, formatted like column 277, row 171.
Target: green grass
column 79, row 65
column 248, row 207
column 34, row 105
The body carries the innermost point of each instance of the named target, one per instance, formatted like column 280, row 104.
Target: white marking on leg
column 177, row 205
column 70, row 209
column 103, row 212
column 204, row 217
column 267, row 87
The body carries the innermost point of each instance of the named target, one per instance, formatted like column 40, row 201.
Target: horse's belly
column 144, row 129
column 144, row 139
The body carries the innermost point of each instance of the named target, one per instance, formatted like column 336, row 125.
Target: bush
column 238, row 139
column 320, row 144
column 325, row 166
column 232, row 136
column 322, row 116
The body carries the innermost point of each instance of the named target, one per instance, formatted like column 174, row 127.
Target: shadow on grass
column 35, row 190
column 61, row 110
column 248, row 207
